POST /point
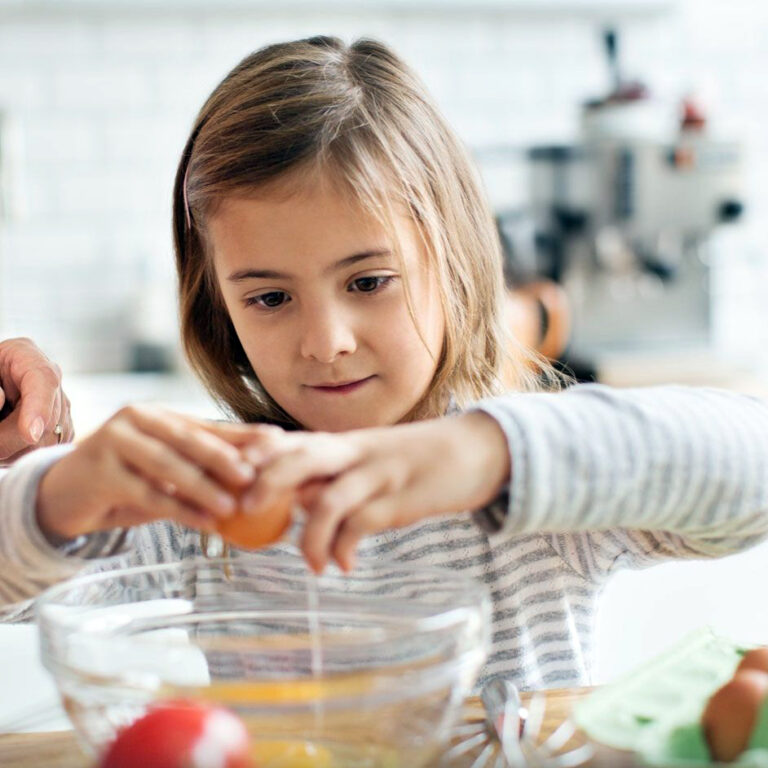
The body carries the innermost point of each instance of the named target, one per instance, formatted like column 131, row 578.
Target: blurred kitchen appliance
column 622, row 218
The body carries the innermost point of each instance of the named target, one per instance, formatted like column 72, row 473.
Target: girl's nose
column 327, row 335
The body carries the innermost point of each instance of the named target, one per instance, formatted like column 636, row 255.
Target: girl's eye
column 370, row 284
column 271, row 300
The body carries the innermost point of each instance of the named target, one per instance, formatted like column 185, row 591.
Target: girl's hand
column 357, row 483
column 144, row 464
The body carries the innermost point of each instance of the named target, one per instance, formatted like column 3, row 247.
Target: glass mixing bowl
column 366, row 670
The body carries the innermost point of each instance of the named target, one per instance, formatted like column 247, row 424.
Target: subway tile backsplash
column 103, row 98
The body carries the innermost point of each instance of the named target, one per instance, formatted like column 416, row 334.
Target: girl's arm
column 627, row 477
column 62, row 507
column 356, row 483
column 142, row 465
column 692, row 463
column 29, row 562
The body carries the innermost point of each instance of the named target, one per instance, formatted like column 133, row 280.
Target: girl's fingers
column 241, row 434
column 308, row 493
column 155, row 461
column 213, row 455
column 344, row 549
column 373, row 518
column 142, row 503
column 333, row 506
column 313, row 458
column 264, row 445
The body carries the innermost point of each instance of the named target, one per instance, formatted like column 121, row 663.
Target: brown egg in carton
column 733, row 711
column 703, row 702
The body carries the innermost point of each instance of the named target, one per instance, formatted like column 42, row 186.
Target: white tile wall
column 104, row 94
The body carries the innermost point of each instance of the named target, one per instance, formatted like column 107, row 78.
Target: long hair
column 359, row 113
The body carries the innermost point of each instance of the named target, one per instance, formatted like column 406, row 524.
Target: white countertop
column 95, row 397
column 28, row 697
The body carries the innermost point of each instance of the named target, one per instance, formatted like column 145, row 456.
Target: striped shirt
column 601, row 479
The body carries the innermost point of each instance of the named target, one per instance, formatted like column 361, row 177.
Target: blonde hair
column 356, row 113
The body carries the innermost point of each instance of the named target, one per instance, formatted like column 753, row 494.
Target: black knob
column 730, row 210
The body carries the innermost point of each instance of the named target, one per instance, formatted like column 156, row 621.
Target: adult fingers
column 156, row 461
column 50, row 436
column 39, row 392
column 65, row 419
column 211, row 454
column 12, row 444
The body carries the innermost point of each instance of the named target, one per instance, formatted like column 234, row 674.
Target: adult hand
column 32, row 402
column 352, row 484
column 144, row 464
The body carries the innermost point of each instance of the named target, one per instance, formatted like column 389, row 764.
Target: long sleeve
column 29, row 563
column 628, row 477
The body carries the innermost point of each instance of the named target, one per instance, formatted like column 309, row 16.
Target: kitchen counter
column 694, row 367
column 60, row 750
column 95, row 397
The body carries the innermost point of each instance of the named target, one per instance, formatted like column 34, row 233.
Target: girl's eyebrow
column 269, row 274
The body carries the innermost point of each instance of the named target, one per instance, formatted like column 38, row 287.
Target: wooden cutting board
column 60, row 750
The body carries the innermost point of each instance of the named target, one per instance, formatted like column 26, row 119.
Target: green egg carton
column 655, row 710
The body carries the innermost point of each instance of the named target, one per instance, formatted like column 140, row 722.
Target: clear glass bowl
column 367, row 670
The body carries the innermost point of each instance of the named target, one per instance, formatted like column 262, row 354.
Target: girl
column 340, row 277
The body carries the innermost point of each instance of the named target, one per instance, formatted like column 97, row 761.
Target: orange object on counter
column 757, row 658
column 539, row 316
column 258, row 528
column 731, row 714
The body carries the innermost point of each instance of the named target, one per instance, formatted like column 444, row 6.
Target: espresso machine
column 623, row 217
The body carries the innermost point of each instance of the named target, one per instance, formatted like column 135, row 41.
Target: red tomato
column 181, row 734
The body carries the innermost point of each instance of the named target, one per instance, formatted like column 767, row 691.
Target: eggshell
column 260, row 527
column 731, row 713
column 757, row 658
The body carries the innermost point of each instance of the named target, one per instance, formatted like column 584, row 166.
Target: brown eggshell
column 731, row 713
column 258, row 528
column 757, row 658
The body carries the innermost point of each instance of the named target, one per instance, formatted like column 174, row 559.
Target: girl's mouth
column 342, row 388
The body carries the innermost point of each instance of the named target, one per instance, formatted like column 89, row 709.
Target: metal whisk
column 507, row 737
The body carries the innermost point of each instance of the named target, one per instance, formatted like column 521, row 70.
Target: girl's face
column 316, row 296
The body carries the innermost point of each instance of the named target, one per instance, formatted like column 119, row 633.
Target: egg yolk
column 289, row 754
